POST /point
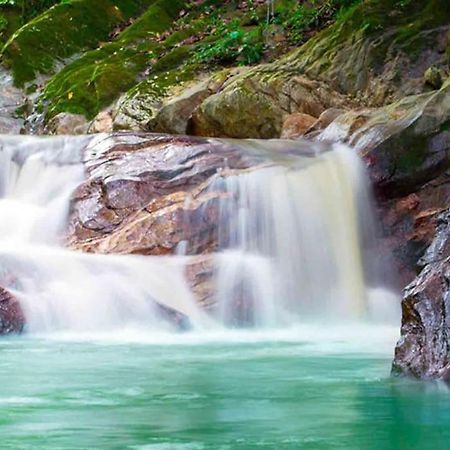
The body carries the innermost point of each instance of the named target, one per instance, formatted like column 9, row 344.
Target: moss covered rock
column 379, row 50
column 62, row 31
column 98, row 77
column 256, row 103
column 376, row 53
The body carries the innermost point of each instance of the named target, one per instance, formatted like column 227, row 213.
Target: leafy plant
column 233, row 44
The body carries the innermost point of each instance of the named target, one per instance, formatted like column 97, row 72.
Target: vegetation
column 186, row 37
column 90, row 53
column 62, row 31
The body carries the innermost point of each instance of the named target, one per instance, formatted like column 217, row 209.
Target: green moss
column 61, row 32
column 152, row 45
column 100, row 76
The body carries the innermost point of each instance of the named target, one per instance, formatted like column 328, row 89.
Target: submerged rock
column 423, row 349
column 12, row 319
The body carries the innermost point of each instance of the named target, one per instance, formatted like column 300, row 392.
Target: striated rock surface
column 145, row 194
column 423, row 349
column 12, row 319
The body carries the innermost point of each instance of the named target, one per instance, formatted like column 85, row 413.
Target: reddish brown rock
column 12, row 319
column 296, row 125
column 146, row 194
column 409, row 226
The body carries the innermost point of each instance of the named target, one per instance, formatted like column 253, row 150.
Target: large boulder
column 423, row 349
column 146, row 194
column 168, row 110
column 255, row 104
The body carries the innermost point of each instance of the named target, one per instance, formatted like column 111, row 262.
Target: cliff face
column 372, row 73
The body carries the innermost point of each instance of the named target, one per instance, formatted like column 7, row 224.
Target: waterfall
column 293, row 238
column 60, row 289
column 291, row 241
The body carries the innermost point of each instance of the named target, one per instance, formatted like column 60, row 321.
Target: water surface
column 307, row 388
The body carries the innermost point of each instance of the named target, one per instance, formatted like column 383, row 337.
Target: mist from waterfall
column 293, row 238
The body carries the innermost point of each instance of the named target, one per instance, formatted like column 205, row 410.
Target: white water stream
column 293, row 241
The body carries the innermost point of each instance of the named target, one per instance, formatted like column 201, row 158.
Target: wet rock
column 67, row 123
column 296, row 125
column 199, row 273
column 405, row 144
column 177, row 319
column 12, row 319
column 11, row 98
column 408, row 226
column 423, row 349
column 146, row 194
column 326, row 118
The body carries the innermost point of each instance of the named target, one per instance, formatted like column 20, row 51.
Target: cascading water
column 290, row 249
column 291, row 236
column 61, row 289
